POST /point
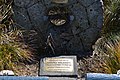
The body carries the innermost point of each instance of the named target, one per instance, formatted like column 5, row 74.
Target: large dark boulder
column 67, row 28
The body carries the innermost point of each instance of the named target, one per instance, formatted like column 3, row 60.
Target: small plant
column 13, row 50
column 112, row 60
column 108, row 48
column 111, row 16
column 106, row 56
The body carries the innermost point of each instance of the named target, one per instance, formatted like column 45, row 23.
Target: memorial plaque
column 60, row 1
column 58, row 65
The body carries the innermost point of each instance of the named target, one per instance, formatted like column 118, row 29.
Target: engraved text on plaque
column 58, row 65
column 60, row 1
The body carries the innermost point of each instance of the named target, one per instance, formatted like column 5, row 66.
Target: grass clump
column 109, row 50
column 13, row 50
column 105, row 58
column 111, row 16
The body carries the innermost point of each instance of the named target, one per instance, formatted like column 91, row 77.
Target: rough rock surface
column 77, row 37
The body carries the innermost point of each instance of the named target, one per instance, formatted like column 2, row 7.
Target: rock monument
column 66, row 26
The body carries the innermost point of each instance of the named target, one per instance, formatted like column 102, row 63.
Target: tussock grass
column 13, row 49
